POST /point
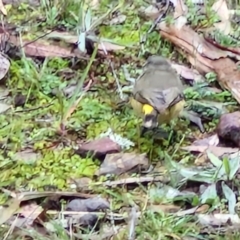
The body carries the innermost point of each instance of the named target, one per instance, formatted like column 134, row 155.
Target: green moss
column 54, row 168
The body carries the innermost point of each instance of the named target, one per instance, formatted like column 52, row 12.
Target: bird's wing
column 147, row 89
column 172, row 96
column 159, row 99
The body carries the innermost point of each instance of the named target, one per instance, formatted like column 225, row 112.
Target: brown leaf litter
column 204, row 56
column 69, row 37
column 12, row 206
column 120, row 163
column 98, row 148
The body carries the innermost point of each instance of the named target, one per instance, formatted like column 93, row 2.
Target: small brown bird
column 158, row 93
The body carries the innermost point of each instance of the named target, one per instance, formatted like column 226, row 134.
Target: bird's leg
column 172, row 125
column 166, row 134
column 161, row 133
column 156, row 133
column 143, row 130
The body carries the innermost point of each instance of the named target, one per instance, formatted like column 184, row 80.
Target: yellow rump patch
column 147, row 109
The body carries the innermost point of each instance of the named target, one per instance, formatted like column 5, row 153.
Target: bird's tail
column 150, row 120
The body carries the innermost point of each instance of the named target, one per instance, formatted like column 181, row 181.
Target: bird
column 157, row 95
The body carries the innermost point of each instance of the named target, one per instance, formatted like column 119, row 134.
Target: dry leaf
column 109, row 46
column 235, row 50
column 228, row 76
column 201, row 160
column 4, row 92
column 119, row 163
column 4, row 66
column 16, row 3
column 190, row 41
column 172, row 236
column 42, row 48
column 180, row 8
column 38, row 49
column 224, row 27
column 4, row 107
column 64, row 36
column 218, row 151
column 220, row 7
column 187, row 212
column 98, row 147
column 83, row 183
column 188, row 73
column 25, row 196
column 27, row 155
column 201, row 54
column 149, row 12
column 203, row 208
column 30, row 212
column 208, row 141
column 218, row 219
column 119, row 19
column 2, row 8
column 132, row 180
column 9, row 209
column 166, row 208
column 93, row 3
column 69, row 38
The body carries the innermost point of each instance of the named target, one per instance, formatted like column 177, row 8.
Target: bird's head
column 157, row 62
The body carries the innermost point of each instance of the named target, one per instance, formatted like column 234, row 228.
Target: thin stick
column 114, row 74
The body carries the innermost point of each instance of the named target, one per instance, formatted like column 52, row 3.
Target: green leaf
column 217, row 163
column 198, row 175
column 226, row 166
column 209, row 195
column 234, row 166
column 88, row 20
column 214, row 160
column 230, row 196
column 82, row 41
column 195, row 201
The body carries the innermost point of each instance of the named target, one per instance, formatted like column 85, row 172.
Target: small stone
column 228, row 128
